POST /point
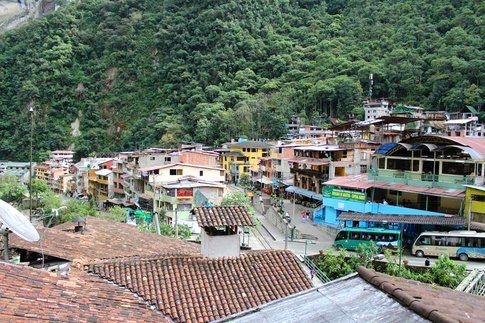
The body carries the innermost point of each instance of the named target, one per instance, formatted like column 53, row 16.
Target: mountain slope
column 138, row 73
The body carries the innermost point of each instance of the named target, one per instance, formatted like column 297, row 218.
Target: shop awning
column 407, row 219
column 303, row 192
column 265, row 180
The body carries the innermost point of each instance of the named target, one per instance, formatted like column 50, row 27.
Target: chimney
column 222, row 241
column 80, row 224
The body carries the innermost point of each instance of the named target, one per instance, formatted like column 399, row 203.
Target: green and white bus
column 460, row 244
column 351, row 238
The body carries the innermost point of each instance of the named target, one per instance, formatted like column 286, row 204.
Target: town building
column 465, row 124
column 242, row 156
column 175, row 189
column 200, row 157
column 313, row 165
column 475, row 204
column 423, row 175
column 54, row 175
column 64, row 157
column 14, row 168
column 374, row 109
column 100, row 178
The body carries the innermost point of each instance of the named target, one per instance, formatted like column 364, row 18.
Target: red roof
column 147, row 169
column 477, row 144
column 102, row 239
column 202, row 289
column 29, row 294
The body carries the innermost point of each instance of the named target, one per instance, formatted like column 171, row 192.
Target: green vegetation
column 167, row 229
column 336, row 264
column 11, row 190
column 137, row 73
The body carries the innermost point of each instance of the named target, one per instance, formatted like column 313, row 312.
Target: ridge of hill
column 125, row 74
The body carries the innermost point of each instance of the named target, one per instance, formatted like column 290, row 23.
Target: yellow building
column 475, row 198
column 242, row 156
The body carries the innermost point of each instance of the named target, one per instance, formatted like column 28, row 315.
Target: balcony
column 118, row 190
column 421, row 179
column 309, row 172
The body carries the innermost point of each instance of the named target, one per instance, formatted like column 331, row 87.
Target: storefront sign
column 329, row 191
column 184, row 192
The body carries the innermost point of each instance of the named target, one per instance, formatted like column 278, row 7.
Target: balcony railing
column 422, row 179
column 310, row 172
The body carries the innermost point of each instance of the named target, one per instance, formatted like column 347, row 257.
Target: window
column 176, row 172
column 478, row 198
column 152, row 157
column 168, row 159
column 344, row 154
column 363, row 169
column 201, row 173
column 453, row 241
column 221, row 173
column 342, row 235
column 254, row 150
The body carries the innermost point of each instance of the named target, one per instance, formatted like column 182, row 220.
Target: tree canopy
column 126, row 74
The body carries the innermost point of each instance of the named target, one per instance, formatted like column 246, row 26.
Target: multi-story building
column 422, row 176
column 200, row 157
column 100, row 178
column 242, row 156
column 63, row 157
column 50, row 173
column 374, row 109
column 314, row 165
column 179, row 187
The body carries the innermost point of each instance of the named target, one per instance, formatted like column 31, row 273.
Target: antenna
column 371, row 83
column 13, row 220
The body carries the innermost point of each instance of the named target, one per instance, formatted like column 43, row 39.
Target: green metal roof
column 370, row 230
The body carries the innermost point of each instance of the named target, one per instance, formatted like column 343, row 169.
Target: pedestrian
column 384, row 202
column 312, row 273
column 427, row 262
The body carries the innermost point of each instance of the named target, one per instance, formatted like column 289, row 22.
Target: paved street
column 267, row 236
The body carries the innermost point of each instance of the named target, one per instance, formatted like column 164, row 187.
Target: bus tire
column 339, row 247
column 419, row 253
column 463, row 257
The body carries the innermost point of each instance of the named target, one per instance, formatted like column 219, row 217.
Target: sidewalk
column 306, row 226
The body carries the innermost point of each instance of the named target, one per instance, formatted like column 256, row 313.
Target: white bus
column 460, row 244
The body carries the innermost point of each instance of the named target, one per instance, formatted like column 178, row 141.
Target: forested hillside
column 126, row 74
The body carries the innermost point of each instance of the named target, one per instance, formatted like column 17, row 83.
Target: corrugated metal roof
column 350, row 299
column 408, row 219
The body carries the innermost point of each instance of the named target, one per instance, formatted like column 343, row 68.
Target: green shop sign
column 329, row 191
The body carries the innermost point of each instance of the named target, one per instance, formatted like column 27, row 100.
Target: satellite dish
column 16, row 222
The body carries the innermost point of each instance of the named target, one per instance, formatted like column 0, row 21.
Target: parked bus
column 461, row 244
column 350, row 238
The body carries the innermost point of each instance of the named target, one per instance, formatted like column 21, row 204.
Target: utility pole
column 371, row 83
column 31, row 110
column 176, row 224
column 157, row 223
column 400, row 249
column 470, row 213
column 286, row 233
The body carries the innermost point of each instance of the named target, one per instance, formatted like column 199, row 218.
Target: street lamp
column 31, row 110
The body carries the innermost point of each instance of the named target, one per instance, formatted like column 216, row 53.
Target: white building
column 375, row 109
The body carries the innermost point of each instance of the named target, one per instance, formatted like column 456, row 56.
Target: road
column 267, row 236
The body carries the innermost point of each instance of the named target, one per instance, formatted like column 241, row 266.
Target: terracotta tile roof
column 437, row 304
column 29, row 294
column 412, row 219
column 223, row 215
column 103, row 239
column 201, row 289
